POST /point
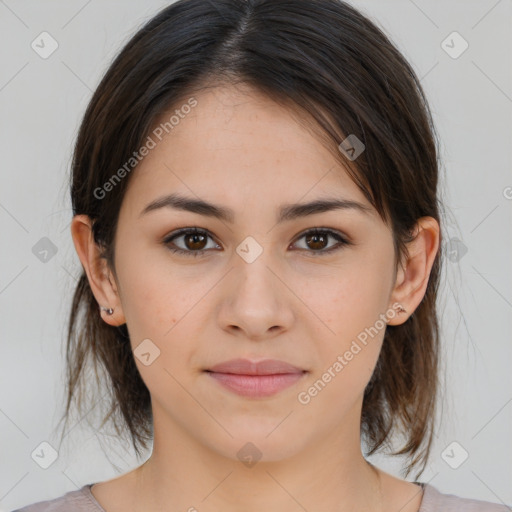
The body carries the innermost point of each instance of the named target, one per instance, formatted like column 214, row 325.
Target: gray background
column 41, row 104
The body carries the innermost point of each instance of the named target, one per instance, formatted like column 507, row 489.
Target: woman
column 255, row 200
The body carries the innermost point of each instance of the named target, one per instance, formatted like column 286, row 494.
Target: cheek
column 156, row 292
column 351, row 304
column 348, row 353
column 351, row 298
column 158, row 324
column 166, row 305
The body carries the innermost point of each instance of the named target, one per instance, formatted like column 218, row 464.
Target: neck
column 328, row 475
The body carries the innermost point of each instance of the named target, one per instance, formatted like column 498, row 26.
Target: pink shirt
column 82, row 500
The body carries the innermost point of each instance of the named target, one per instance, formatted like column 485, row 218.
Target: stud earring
column 109, row 311
column 402, row 310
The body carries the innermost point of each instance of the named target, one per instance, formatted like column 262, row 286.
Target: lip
column 248, row 367
column 256, row 378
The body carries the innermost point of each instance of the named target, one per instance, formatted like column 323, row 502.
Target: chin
column 261, row 443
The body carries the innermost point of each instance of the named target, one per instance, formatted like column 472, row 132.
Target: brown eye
column 316, row 241
column 193, row 242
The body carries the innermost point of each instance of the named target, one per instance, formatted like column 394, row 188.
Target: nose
column 256, row 303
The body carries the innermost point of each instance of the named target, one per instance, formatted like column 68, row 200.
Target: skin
column 240, row 150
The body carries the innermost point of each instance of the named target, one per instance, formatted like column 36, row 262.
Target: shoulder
column 80, row 500
column 436, row 501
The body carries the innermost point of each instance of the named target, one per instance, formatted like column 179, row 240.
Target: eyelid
column 186, row 231
column 322, row 229
column 342, row 239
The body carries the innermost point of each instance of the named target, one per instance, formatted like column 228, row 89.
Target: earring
column 402, row 310
column 109, row 311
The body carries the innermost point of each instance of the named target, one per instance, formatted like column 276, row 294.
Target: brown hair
column 326, row 61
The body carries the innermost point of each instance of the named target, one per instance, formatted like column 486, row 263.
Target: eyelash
column 315, row 231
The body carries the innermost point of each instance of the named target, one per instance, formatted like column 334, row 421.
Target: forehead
column 237, row 142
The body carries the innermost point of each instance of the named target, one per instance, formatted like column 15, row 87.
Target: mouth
column 256, row 379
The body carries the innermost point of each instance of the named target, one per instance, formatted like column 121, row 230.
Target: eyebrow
column 287, row 212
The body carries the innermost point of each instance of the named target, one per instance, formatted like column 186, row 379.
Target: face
column 256, row 284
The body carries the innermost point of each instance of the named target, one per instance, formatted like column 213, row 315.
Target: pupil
column 194, row 238
column 315, row 239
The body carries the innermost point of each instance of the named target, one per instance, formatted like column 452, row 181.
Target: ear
column 101, row 279
column 413, row 274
